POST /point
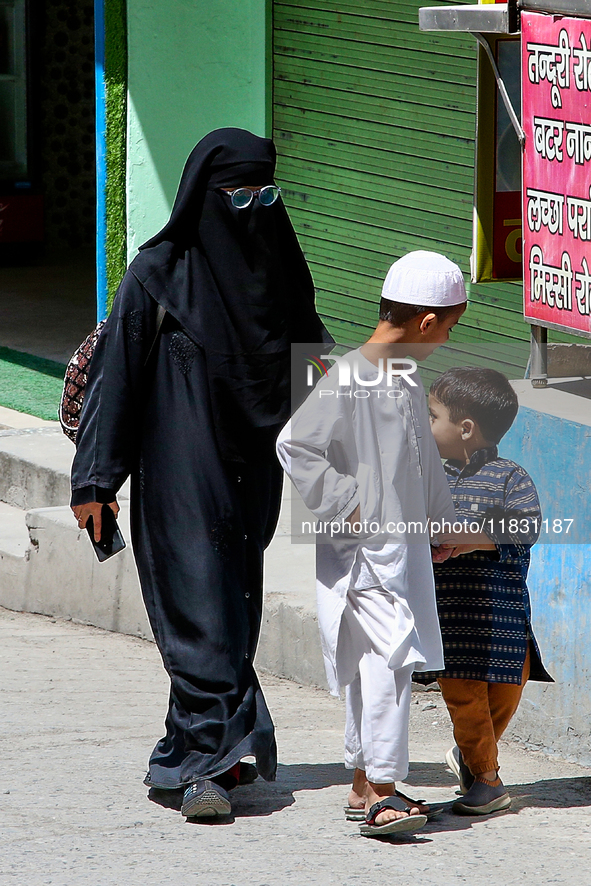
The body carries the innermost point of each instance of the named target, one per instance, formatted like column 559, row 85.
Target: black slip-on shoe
column 205, row 799
column 482, row 799
column 248, row 773
column 455, row 761
column 244, row 773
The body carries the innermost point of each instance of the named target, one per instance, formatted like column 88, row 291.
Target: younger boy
column 482, row 598
column 364, row 461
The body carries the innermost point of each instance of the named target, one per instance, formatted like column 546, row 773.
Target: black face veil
column 238, row 283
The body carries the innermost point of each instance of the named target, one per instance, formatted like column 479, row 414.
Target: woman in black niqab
column 195, row 428
column 237, row 282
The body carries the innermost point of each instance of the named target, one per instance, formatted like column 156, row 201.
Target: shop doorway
column 47, row 179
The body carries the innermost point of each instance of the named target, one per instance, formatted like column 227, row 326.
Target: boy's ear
column 427, row 321
column 468, row 428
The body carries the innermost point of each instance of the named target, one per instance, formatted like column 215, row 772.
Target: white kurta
column 348, row 448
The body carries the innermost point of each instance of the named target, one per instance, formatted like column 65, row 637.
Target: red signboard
column 556, row 118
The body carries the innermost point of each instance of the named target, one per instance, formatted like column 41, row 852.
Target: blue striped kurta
column 482, row 597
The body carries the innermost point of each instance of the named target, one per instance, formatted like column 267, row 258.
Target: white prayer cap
column 425, row 278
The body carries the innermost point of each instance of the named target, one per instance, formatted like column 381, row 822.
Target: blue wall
column 557, row 454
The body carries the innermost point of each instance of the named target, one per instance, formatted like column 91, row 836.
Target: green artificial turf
column 30, row 384
column 116, row 113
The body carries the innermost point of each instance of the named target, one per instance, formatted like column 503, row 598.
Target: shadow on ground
column 312, row 776
column 553, row 793
column 258, row 799
column 263, row 798
column 550, row 793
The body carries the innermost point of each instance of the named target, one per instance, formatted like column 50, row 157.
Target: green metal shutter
column 374, row 125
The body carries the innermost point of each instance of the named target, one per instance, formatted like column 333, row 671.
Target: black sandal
column 433, row 810
column 408, row 824
column 353, row 813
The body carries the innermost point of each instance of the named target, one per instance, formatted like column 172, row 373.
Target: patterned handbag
column 76, row 377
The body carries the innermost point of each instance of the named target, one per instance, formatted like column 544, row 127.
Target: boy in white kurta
column 361, row 454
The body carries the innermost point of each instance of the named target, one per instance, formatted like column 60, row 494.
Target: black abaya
column 205, row 494
column 199, row 527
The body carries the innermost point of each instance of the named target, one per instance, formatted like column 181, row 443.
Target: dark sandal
column 433, row 810
column 408, row 824
column 352, row 813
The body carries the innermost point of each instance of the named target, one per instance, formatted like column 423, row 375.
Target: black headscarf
column 238, row 283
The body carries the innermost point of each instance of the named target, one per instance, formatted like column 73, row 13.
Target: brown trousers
column 480, row 713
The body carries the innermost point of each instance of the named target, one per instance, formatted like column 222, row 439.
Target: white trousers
column 377, row 698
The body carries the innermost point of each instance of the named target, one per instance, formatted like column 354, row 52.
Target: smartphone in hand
column 111, row 539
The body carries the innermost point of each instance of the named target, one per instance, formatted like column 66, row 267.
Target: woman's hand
column 93, row 509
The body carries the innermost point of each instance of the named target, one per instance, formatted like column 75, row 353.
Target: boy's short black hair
column 398, row 314
column 484, row 395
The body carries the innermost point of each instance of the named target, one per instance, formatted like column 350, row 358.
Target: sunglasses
column 243, row 197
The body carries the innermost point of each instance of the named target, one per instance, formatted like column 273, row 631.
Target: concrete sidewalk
column 82, row 708
column 48, row 566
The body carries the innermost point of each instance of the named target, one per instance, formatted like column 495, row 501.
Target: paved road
column 81, row 709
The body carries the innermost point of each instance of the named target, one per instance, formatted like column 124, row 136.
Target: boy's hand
column 441, row 553
column 354, row 517
column 463, row 543
column 458, row 550
column 467, row 541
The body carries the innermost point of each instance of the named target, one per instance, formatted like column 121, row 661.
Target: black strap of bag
column 160, row 315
